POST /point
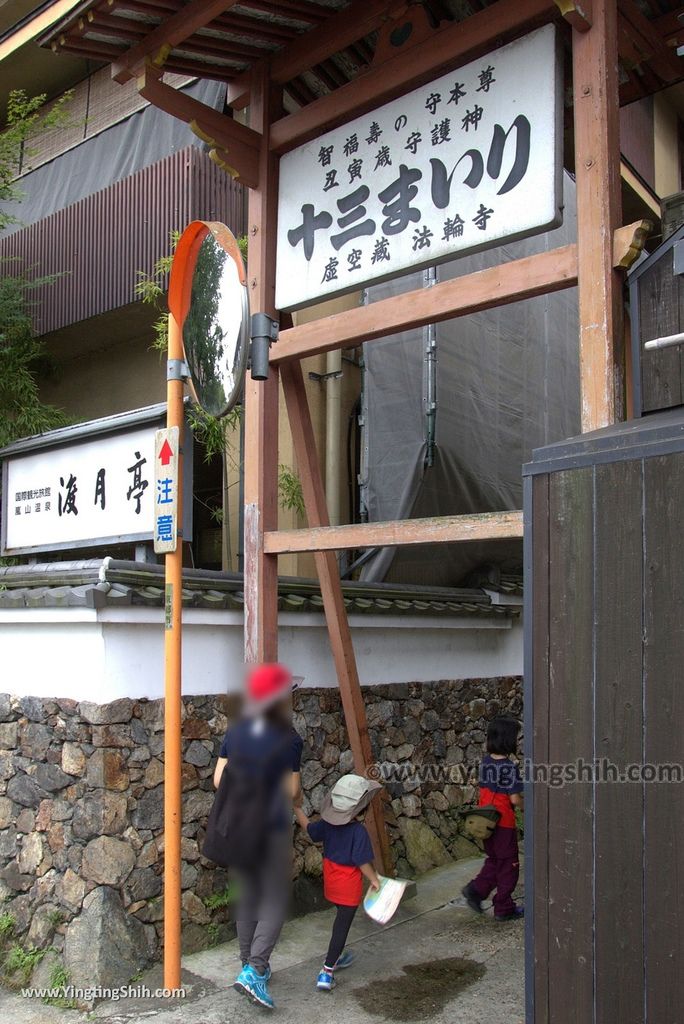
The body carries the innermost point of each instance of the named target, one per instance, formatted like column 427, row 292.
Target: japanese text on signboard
column 457, row 165
column 91, row 490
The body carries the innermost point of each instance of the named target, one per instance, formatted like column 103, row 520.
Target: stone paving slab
column 436, row 962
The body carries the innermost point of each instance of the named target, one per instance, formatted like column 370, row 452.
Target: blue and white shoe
column 257, row 989
column 241, row 982
column 346, row 959
column 326, row 981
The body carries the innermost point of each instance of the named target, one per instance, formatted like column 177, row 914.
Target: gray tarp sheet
column 507, row 382
column 140, row 140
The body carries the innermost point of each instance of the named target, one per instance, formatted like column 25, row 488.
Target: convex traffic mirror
column 208, row 297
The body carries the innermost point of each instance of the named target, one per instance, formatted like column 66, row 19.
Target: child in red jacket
column 347, row 857
column 500, row 785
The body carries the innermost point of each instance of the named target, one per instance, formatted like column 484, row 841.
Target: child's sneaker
column 257, row 989
column 240, row 983
column 326, row 981
column 514, row 915
column 472, row 899
column 346, row 959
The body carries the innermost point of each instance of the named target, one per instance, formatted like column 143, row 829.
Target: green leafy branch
column 290, row 491
column 23, row 355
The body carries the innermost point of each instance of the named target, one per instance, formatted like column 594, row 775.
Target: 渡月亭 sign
column 92, row 484
column 457, row 165
column 166, row 490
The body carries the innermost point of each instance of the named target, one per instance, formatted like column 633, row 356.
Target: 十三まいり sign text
column 457, row 165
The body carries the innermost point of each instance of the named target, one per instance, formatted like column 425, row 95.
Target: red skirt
column 342, row 883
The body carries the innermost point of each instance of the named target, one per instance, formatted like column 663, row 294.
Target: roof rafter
column 648, row 39
column 316, row 45
column 168, row 34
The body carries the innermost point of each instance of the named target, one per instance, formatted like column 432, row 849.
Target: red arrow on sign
column 165, row 454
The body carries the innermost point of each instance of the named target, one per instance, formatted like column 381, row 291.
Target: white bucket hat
column 348, row 797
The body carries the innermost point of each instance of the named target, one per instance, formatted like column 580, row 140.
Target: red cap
column 267, row 683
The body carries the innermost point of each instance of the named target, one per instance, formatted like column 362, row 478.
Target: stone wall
column 81, row 807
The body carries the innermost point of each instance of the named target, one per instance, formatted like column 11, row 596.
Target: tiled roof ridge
column 100, row 582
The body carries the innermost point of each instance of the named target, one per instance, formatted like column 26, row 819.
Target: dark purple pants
column 500, row 870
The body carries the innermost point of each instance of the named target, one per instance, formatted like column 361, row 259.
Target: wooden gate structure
column 603, row 698
column 618, row 55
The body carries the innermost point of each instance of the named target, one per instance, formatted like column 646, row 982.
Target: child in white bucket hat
column 347, row 857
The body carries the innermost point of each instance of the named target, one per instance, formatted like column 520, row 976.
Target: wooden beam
column 666, row 63
column 671, row 26
column 261, row 397
column 577, row 13
column 597, row 174
column 298, row 10
column 496, row 286
column 337, row 32
column 237, row 147
column 162, row 39
column 337, row 622
column 436, row 530
column 628, row 243
column 451, row 45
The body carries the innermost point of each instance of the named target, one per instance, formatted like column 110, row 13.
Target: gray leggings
column 263, row 901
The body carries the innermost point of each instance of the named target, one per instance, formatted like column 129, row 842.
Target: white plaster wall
column 115, row 652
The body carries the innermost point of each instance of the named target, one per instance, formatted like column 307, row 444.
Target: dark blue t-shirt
column 260, row 746
column 343, row 844
column 500, row 775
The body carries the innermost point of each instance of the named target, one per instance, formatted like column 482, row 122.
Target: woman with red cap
column 266, row 749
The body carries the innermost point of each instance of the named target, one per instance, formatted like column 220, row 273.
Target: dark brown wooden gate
column 604, row 676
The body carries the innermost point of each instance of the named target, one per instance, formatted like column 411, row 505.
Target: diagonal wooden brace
column 333, row 599
column 236, row 145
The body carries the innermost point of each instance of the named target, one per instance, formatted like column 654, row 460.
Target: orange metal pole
column 172, row 695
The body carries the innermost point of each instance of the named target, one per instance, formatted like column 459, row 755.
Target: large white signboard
column 87, row 492
column 458, row 165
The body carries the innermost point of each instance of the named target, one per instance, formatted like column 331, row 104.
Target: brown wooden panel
column 664, row 736
column 570, row 819
column 618, row 737
column 658, row 317
column 540, row 743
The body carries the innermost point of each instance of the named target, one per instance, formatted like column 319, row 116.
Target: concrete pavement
column 436, row 962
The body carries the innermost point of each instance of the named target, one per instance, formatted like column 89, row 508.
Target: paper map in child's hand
column 381, row 904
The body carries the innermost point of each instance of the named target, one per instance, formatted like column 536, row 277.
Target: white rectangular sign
column 166, row 490
column 97, row 490
column 457, row 165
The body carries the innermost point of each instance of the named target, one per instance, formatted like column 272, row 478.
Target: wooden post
column 175, row 417
column 597, row 169
column 261, row 400
column 333, row 600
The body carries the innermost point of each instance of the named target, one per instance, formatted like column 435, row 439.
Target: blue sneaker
column 346, row 959
column 241, row 982
column 326, row 981
column 257, row 989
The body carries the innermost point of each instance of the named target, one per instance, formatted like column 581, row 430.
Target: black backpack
column 240, row 817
